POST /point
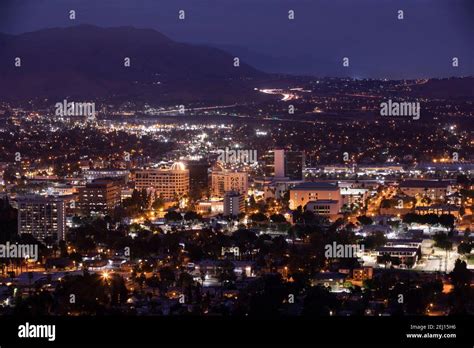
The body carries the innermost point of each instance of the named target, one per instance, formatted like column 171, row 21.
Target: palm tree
column 442, row 241
column 30, row 278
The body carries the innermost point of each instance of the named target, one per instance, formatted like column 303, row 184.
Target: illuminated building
column 302, row 194
column 233, row 204
column 225, row 180
column 325, row 207
column 273, row 187
column 429, row 188
column 382, row 169
column 99, row 197
column 42, row 216
column 294, row 164
column 279, row 163
column 407, row 251
column 354, row 195
column 170, row 183
column 360, row 274
column 284, row 164
column 210, row 207
column 94, row 174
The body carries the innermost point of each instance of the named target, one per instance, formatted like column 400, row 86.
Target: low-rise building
column 354, row 195
column 302, row 194
column 329, row 208
column 405, row 255
column 364, row 273
column 210, row 207
column 426, row 188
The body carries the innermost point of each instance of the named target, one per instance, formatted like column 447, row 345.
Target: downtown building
column 170, row 183
column 116, row 174
column 198, row 177
column 281, row 163
column 282, row 171
column 234, row 203
column 99, row 197
column 226, row 180
column 42, row 216
column 322, row 198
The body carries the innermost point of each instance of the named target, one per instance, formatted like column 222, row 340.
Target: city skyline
column 208, row 164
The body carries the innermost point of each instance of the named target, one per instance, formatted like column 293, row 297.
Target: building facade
column 169, row 183
column 99, row 197
column 42, row 216
column 329, row 208
column 224, row 180
column 234, row 203
column 284, row 164
column 94, row 174
column 302, row 194
column 426, row 188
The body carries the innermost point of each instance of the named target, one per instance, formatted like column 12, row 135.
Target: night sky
column 367, row 31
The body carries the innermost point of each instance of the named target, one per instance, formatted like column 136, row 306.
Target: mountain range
column 89, row 62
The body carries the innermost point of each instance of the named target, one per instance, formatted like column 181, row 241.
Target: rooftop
column 397, row 249
column 404, row 240
column 310, row 186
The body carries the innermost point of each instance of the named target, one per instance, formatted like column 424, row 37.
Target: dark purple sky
column 324, row 31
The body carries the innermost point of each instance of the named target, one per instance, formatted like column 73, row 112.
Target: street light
column 105, row 275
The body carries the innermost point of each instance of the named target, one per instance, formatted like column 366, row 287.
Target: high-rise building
column 294, row 164
column 42, row 216
column 198, row 177
column 99, row 197
column 281, row 163
column 267, row 159
column 169, row 183
column 225, row 180
column 233, row 203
